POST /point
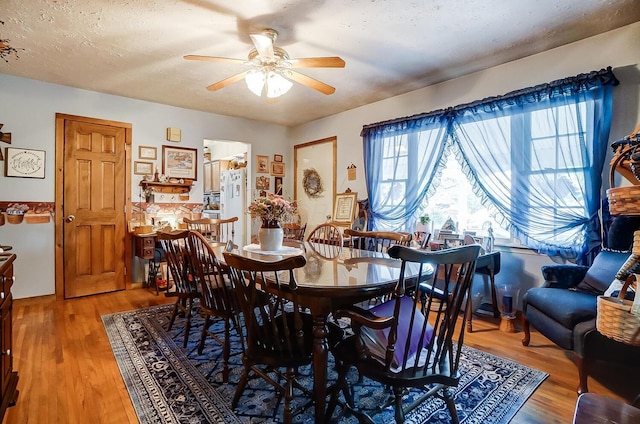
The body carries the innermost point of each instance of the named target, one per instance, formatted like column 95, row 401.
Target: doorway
column 92, row 195
column 223, row 198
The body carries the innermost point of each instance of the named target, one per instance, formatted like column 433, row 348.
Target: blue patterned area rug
column 169, row 384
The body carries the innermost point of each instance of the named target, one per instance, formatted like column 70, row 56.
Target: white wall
column 28, row 108
column 619, row 49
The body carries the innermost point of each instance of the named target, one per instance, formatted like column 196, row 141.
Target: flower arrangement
column 272, row 207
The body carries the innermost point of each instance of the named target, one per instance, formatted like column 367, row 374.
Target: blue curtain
column 544, row 189
column 400, row 161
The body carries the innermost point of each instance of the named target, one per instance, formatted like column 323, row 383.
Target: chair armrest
column 563, row 276
column 364, row 317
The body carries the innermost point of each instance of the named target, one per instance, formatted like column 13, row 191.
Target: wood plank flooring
column 68, row 373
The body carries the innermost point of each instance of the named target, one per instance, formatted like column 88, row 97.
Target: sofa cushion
column 566, row 307
column 602, row 272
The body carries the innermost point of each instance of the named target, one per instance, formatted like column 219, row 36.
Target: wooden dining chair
column 379, row 241
column 180, row 269
column 326, row 240
column 214, row 229
column 402, row 346
column 217, row 299
column 294, row 232
column 326, row 234
column 277, row 334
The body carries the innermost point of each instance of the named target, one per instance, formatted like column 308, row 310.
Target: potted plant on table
column 272, row 209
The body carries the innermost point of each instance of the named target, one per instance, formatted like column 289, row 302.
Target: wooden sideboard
column 8, row 377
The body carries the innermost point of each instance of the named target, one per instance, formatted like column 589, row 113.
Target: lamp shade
column 267, row 81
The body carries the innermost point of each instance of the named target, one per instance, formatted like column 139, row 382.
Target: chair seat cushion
column 377, row 340
column 566, row 307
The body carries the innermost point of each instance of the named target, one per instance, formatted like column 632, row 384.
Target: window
column 548, row 167
column 528, row 165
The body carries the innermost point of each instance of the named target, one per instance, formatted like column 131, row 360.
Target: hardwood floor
column 68, row 373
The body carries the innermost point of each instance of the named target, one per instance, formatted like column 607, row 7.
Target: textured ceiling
column 134, row 48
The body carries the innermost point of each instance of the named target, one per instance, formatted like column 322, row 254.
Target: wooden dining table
column 327, row 283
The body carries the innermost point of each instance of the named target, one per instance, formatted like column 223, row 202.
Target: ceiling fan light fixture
column 268, row 82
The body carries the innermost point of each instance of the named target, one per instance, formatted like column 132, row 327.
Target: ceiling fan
column 270, row 70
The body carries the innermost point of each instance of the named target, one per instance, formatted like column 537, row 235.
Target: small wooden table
column 595, row 409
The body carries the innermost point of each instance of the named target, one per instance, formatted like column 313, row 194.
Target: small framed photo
column 277, row 169
column 263, row 183
column 24, row 163
column 344, row 208
column 142, row 168
column 180, row 162
column 278, row 185
column 262, row 164
column 147, row 152
column 277, row 158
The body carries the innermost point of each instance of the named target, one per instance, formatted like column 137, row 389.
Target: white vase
column 271, row 237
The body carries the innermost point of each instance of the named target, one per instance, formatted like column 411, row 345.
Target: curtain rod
column 519, row 92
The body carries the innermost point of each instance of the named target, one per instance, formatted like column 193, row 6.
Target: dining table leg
column 320, row 355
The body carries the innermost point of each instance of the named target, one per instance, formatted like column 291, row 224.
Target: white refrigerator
column 233, row 195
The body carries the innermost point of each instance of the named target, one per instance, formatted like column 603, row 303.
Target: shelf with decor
column 167, row 187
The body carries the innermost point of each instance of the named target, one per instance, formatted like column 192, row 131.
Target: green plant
column 424, row 219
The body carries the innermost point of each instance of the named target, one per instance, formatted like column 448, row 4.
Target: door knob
column 70, row 218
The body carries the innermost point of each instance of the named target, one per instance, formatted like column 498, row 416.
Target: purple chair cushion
column 377, row 340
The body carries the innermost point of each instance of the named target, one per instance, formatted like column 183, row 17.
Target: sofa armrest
column 563, row 276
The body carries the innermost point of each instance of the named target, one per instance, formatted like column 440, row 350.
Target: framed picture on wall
column 277, row 158
column 345, row 207
column 24, row 163
column 147, row 152
column 180, row 162
column 277, row 169
column 262, row 164
column 262, row 183
column 278, row 185
column 142, row 168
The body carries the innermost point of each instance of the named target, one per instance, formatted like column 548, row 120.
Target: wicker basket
column 615, row 320
column 623, row 200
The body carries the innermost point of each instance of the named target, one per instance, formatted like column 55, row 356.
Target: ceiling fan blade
column 5, row 137
column 317, row 62
column 227, row 81
column 214, row 59
column 309, row 82
column 264, row 45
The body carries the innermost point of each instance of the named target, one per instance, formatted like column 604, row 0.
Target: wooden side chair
column 214, row 229
column 327, row 240
column 278, row 334
column 379, row 241
column 294, row 232
column 180, row 268
column 217, row 299
column 326, row 234
column 400, row 346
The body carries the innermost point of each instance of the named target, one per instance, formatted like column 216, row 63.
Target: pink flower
column 272, row 207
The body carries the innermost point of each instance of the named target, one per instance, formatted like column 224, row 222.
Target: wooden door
column 93, row 210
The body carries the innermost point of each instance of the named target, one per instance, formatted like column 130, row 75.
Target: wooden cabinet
column 206, row 184
column 144, row 246
column 215, row 176
column 8, row 377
